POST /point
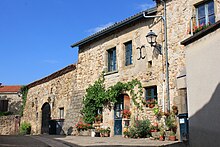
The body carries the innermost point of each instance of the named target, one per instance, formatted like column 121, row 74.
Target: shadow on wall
column 204, row 125
column 15, row 107
column 70, row 131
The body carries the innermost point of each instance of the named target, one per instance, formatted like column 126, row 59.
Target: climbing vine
column 24, row 91
column 97, row 96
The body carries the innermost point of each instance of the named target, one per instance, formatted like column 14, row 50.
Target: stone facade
column 93, row 54
column 11, row 94
column 57, row 90
column 67, row 90
column 9, row 125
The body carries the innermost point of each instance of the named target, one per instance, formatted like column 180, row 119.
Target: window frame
column 154, row 94
column 128, row 53
column 4, row 105
column 112, row 59
column 206, row 12
column 61, row 112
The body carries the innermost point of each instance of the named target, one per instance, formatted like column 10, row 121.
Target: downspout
column 166, row 52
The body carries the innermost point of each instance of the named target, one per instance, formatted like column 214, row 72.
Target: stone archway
column 46, row 112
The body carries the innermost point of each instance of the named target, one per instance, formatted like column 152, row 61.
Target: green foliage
column 156, row 110
column 97, row 96
column 25, row 128
column 5, row 113
column 141, row 129
column 93, row 100
column 170, row 122
column 24, row 91
column 107, row 130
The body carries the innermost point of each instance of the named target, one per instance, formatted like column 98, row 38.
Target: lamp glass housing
column 151, row 38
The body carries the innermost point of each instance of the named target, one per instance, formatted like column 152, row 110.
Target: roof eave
column 115, row 26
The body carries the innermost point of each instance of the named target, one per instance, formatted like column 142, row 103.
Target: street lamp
column 151, row 38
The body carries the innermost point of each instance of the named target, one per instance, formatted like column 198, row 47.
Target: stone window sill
column 110, row 73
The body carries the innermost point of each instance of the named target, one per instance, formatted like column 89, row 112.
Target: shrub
column 141, row 129
column 5, row 113
column 25, row 128
column 170, row 122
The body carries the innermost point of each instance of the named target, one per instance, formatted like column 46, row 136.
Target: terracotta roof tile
column 9, row 88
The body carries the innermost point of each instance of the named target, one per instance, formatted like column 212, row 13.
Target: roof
column 53, row 75
column 9, row 89
column 115, row 26
column 201, row 34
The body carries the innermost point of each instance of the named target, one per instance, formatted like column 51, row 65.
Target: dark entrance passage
column 45, row 118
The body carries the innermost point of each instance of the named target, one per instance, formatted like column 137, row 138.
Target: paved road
column 81, row 141
column 30, row 141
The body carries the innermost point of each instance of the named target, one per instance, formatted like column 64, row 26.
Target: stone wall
column 9, row 125
column 93, row 55
column 59, row 91
column 14, row 102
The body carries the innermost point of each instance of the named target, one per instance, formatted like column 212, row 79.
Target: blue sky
column 35, row 35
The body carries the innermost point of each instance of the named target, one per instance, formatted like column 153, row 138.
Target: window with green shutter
column 112, row 66
column 128, row 53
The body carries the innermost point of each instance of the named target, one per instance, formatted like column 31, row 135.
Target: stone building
column 10, row 105
column 10, row 99
column 123, row 53
column 50, row 101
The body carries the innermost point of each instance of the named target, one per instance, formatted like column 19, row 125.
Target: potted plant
column 171, row 125
column 175, row 109
column 170, row 122
column 151, row 103
column 102, row 132
column 161, row 137
column 172, row 136
column 154, row 130
column 126, row 113
column 98, row 118
column 126, row 132
column 107, row 132
column 83, row 128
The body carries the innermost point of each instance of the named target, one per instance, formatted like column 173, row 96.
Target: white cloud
column 145, row 6
column 99, row 28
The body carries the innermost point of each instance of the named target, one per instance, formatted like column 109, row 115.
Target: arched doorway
column 123, row 102
column 45, row 118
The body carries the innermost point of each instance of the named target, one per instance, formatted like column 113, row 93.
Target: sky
column 36, row 35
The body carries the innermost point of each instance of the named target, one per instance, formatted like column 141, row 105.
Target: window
column 111, row 59
column 61, row 113
column 3, row 105
column 205, row 13
column 128, row 53
column 151, row 93
column 149, row 64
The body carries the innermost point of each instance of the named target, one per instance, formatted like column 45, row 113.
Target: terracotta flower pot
column 172, row 138
column 151, row 105
column 161, row 138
